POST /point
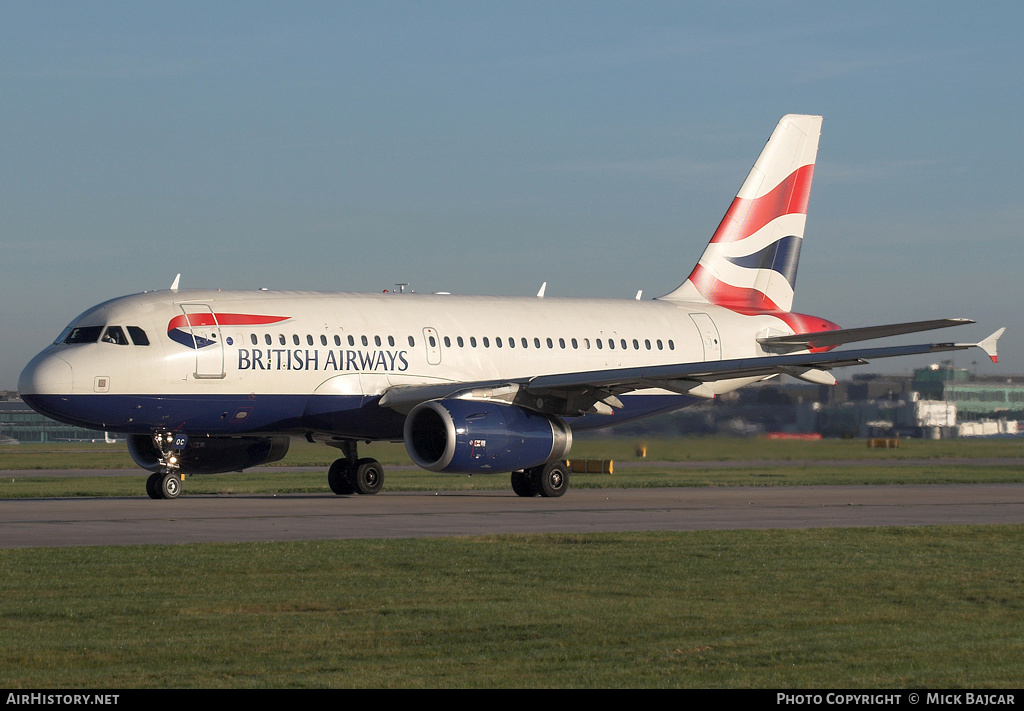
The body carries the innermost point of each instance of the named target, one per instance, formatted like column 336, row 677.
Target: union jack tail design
column 750, row 264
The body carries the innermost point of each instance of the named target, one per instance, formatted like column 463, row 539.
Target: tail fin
column 750, row 264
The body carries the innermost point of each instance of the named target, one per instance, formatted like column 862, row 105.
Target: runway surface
column 190, row 519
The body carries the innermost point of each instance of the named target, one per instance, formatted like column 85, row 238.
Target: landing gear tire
column 153, row 485
column 551, row 479
column 523, row 484
column 168, row 485
column 339, row 478
column 368, row 477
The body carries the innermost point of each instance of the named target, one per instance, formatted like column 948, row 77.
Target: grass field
column 883, row 608
column 726, row 462
column 680, row 449
column 929, row 607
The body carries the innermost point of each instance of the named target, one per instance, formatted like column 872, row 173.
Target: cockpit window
column 139, row 336
column 115, row 335
column 84, row 334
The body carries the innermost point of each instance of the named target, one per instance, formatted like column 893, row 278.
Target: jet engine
column 471, row 436
column 211, row 455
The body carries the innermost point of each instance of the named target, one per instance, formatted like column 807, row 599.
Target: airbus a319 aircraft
column 207, row 381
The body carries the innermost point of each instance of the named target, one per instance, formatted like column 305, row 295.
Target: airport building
column 935, row 402
column 20, row 423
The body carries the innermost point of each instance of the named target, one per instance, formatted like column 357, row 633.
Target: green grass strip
column 935, row 607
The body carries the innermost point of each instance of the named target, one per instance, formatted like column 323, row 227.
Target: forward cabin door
column 206, row 336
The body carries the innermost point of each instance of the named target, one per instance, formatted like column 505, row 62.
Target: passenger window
column 622, row 342
column 550, row 344
column 282, row 339
column 412, row 341
column 575, row 345
column 561, row 343
column 459, row 341
column 647, row 342
column 611, row 343
column 636, row 345
column 391, row 340
column 536, row 343
column 365, row 342
column 600, row 343
column 295, row 338
column 376, row 341
column 337, row 340
column 351, row 341
column 255, row 341
column 323, row 340
column 671, row 345
column 267, row 338
column 511, row 342
column 487, row 344
column 116, row 336
column 433, row 343
column 497, row 341
column 660, row 346
column 139, row 336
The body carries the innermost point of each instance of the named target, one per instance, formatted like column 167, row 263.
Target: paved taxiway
column 139, row 520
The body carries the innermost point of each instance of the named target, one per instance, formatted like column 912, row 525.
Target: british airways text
column 312, row 359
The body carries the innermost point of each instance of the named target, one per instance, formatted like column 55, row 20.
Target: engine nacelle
column 212, row 455
column 469, row 436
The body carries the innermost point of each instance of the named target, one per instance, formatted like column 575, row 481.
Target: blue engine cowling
column 467, row 436
column 212, row 455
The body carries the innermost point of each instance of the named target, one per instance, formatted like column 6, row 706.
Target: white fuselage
column 222, row 349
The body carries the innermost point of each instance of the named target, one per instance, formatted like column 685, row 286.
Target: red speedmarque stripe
column 746, row 216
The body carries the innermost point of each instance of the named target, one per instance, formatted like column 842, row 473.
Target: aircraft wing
column 571, row 394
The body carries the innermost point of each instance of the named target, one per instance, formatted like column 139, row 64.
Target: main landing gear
column 351, row 475
column 551, row 479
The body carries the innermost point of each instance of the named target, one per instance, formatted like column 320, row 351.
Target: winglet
column 989, row 345
column 174, row 285
column 540, row 294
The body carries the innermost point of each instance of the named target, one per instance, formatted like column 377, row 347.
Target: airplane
column 208, row 381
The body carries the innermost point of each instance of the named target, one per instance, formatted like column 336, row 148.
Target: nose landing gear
column 164, row 485
column 167, row 483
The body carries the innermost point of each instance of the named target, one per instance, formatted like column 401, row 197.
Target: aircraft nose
column 46, row 374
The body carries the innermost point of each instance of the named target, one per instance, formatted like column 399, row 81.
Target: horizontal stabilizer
column 989, row 345
column 830, row 339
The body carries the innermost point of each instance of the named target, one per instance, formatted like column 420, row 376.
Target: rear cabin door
column 709, row 336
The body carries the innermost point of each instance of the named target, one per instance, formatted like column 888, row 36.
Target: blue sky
column 485, row 148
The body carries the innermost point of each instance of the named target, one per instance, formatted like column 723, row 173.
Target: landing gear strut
column 167, row 483
column 351, row 475
column 551, row 479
